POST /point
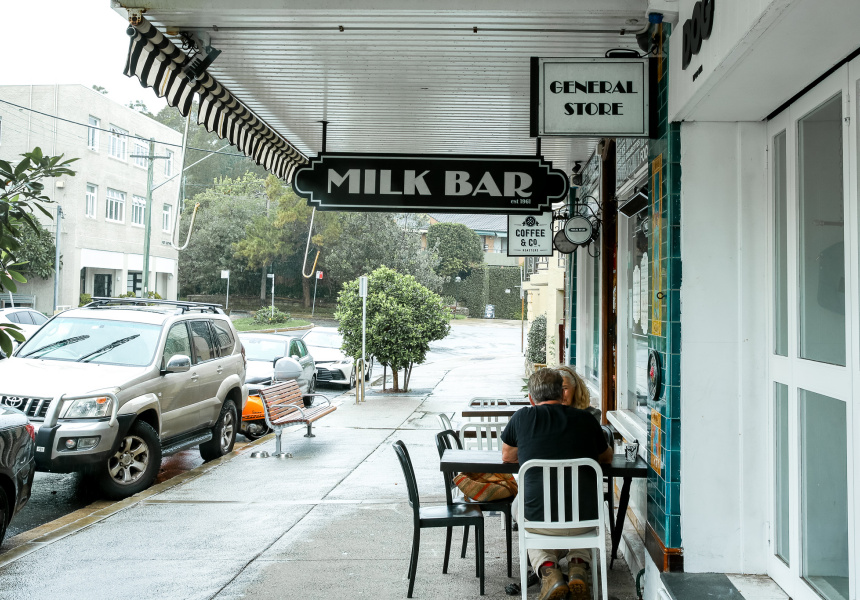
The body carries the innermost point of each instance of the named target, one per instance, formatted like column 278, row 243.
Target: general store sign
column 591, row 97
column 430, row 182
column 530, row 235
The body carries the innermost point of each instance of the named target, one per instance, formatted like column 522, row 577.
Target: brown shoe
column 577, row 581
column 552, row 586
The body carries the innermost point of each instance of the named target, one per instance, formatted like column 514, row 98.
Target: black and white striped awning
column 158, row 63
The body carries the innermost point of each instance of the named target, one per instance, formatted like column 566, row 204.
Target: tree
column 369, row 240
column 21, row 191
column 225, row 211
column 100, row 89
column 403, row 317
column 37, row 252
column 459, row 248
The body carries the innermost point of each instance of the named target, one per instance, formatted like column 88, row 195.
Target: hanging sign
column 531, row 235
column 589, row 97
column 430, row 182
column 579, row 230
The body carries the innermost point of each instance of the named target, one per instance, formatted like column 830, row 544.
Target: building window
column 168, row 163
column 115, row 206
column 140, row 152
column 138, row 210
column 90, row 206
column 135, row 283
column 93, row 133
column 118, row 143
column 167, row 217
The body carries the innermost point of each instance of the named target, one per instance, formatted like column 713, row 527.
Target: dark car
column 17, row 461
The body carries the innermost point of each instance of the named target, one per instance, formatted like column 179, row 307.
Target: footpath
column 332, row 522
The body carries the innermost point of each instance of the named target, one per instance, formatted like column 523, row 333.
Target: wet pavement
column 331, row 522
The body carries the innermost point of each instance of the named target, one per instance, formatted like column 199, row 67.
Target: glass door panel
column 781, row 470
column 780, row 247
column 821, row 247
column 824, row 493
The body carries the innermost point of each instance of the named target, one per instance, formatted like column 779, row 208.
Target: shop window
column 824, row 493
column 638, row 296
column 821, row 234
column 780, row 247
column 594, row 363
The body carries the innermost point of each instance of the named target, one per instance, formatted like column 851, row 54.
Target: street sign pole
column 361, row 364
column 272, row 277
column 316, row 280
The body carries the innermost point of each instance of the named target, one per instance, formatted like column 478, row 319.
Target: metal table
column 490, row 461
column 491, row 411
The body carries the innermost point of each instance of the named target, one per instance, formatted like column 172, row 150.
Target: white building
column 103, row 205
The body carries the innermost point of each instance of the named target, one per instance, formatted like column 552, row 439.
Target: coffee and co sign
column 591, row 97
column 430, row 182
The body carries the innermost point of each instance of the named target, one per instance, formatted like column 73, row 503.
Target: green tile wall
column 663, row 510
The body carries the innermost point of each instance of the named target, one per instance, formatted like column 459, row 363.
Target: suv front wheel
column 134, row 466
column 223, row 434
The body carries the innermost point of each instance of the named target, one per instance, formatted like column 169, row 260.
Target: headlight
column 88, row 408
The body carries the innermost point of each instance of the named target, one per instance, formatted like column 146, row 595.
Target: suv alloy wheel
column 134, row 466
column 223, row 434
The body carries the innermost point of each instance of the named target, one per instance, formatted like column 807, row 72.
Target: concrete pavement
column 331, row 522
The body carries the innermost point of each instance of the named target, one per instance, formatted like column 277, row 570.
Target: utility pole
column 57, row 259
column 147, row 217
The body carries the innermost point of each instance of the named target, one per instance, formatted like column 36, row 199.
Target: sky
column 68, row 41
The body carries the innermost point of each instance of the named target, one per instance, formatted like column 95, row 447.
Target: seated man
column 550, row 430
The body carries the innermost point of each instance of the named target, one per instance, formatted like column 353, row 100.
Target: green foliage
column 22, row 191
column 100, row 89
column 368, row 241
column 268, row 316
column 37, row 252
column 487, row 285
column 459, row 248
column 536, row 350
column 85, row 299
column 403, row 317
column 224, row 212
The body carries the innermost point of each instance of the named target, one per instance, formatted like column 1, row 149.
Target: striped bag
column 486, row 487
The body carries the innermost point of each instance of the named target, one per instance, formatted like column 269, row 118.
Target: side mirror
column 286, row 369
column 295, row 357
column 178, row 363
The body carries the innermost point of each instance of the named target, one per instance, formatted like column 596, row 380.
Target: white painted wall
column 723, row 328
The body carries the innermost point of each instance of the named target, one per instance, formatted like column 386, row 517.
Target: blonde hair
column 581, row 396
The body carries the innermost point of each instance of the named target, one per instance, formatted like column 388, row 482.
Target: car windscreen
column 95, row 341
column 323, row 339
column 263, row 349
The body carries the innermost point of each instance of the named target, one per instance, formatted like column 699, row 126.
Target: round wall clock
column 655, row 377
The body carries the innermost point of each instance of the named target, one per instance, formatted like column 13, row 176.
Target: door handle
column 220, row 369
column 194, row 377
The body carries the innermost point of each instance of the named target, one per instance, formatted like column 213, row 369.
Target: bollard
column 359, row 380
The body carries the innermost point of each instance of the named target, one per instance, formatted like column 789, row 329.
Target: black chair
column 446, row 440
column 450, row 515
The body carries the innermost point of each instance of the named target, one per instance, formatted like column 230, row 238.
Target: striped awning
column 158, row 63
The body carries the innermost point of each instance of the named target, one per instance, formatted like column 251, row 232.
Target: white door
column 814, row 342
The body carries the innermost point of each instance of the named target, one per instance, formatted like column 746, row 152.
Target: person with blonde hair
column 574, row 391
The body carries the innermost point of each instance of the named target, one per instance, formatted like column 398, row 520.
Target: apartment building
column 104, row 204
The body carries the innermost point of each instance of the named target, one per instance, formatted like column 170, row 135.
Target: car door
column 176, row 391
column 306, row 360
column 209, row 370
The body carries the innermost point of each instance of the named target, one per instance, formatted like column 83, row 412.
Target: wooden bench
column 284, row 405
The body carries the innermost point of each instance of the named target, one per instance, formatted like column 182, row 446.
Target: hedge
column 487, row 285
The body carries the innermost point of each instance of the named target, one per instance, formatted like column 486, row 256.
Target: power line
column 117, row 133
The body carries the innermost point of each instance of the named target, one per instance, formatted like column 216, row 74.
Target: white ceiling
column 404, row 76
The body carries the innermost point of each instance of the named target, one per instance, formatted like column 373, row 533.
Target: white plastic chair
column 596, row 540
column 488, row 436
column 481, row 401
column 444, row 422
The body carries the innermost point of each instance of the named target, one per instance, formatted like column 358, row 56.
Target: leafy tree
column 22, row 190
column 458, row 246
column 37, row 252
column 224, row 212
column 369, row 240
column 140, row 107
column 403, row 317
column 100, row 89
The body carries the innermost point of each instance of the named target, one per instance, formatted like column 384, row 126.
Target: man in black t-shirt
column 549, row 430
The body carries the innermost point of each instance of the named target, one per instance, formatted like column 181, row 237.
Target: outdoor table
column 491, row 411
column 512, row 400
column 490, row 461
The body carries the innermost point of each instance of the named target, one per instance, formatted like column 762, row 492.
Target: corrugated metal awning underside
column 437, row 80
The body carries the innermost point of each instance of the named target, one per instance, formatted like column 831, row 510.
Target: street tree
column 459, row 248
column 21, row 192
column 369, row 240
column 225, row 210
column 37, row 252
column 403, row 317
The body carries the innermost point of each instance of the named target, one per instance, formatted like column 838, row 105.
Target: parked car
column 333, row 365
column 17, row 463
column 272, row 358
column 27, row 319
column 114, row 386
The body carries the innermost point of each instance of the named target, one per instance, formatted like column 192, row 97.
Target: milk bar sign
column 591, row 97
column 429, row 182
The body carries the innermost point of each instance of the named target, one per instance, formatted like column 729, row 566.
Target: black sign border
column 544, row 207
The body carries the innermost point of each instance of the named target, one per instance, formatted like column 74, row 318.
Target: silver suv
column 114, row 386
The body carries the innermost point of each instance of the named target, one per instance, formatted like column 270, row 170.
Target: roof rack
column 185, row 306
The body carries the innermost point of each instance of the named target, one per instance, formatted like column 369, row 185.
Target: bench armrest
column 290, row 404
column 317, row 395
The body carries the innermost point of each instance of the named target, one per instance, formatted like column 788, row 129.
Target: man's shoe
column 577, row 581
column 552, row 586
